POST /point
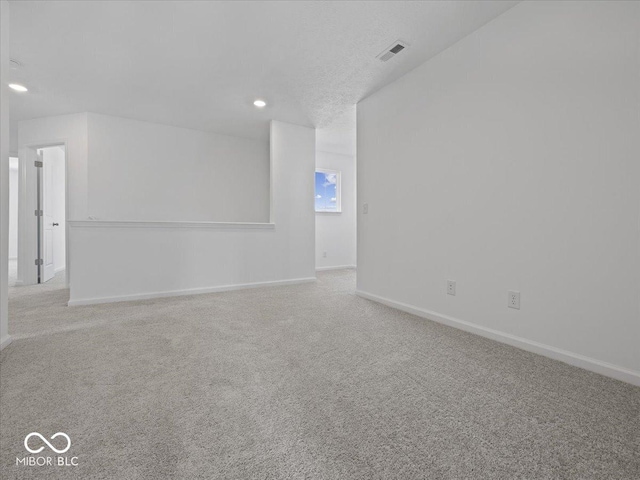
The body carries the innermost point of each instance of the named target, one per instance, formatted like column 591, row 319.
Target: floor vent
column 394, row 49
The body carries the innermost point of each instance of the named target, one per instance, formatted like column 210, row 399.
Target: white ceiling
column 201, row 64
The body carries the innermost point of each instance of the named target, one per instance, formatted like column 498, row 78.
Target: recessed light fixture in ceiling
column 18, row 87
column 260, row 103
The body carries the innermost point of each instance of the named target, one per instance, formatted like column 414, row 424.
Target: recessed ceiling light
column 18, row 88
column 260, row 103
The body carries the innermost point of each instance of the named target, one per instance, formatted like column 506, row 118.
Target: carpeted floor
column 305, row 381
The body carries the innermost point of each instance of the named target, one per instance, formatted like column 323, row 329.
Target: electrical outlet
column 451, row 287
column 324, row 254
column 513, row 299
column 365, row 208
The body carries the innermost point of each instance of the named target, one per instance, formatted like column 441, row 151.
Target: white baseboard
column 60, row 269
column 4, row 343
column 191, row 291
column 337, row 267
column 577, row 360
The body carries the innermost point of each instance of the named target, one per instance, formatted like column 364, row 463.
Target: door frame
column 27, row 204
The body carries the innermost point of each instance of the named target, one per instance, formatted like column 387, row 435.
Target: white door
column 47, row 250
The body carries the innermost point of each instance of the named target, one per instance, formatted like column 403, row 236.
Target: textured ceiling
column 201, row 64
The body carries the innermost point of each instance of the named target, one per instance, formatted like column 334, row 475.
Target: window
column 327, row 191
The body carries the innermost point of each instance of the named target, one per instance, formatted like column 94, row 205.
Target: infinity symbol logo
column 36, row 434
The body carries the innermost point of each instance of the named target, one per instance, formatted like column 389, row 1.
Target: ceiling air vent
column 390, row 52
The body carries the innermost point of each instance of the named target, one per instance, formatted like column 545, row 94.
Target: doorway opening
column 13, row 220
column 37, row 217
column 51, row 218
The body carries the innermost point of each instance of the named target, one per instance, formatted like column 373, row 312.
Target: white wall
column 137, row 171
column 336, row 232
column 71, row 131
column 142, row 258
column 13, row 208
column 4, row 174
column 511, row 161
column 146, row 171
column 120, row 261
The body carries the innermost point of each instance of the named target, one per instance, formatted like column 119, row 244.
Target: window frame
column 338, row 175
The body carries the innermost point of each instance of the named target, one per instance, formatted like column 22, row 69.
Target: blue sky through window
column 327, row 192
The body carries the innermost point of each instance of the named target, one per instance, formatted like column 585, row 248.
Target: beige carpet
column 304, row 381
